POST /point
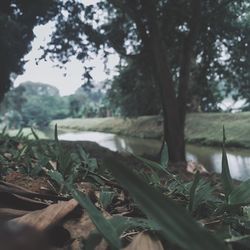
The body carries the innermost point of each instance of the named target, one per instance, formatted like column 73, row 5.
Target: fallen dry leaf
column 144, row 241
column 193, row 167
column 79, row 228
column 44, row 218
column 83, row 226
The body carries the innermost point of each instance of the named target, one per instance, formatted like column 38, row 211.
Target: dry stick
column 107, row 181
column 14, row 189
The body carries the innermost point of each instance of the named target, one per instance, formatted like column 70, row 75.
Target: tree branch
column 218, row 9
column 134, row 15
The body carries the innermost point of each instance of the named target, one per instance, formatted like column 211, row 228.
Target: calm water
column 239, row 160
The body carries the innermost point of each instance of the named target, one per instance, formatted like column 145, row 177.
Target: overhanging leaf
column 102, row 225
column 56, row 176
column 176, row 224
column 241, row 194
column 151, row 164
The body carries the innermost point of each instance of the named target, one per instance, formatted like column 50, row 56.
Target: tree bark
column 186, row 56
column 172, row 125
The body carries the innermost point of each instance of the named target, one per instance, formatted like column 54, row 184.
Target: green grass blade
column 164, row 155
column 240, row 195
column 34, row 134
column 192, row 191
column 3, row 133
column 151, row 164
column 102, row 225
column 19, row 133
column 56, row 134
column 176, row 224
column 225, row 173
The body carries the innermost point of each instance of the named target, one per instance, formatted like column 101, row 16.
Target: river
column 210, row 157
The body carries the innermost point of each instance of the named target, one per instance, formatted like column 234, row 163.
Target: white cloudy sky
column 46, row 72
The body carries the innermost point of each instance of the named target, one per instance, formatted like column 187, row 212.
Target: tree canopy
column 219, row 62
column 17, row 20
column 181, row 48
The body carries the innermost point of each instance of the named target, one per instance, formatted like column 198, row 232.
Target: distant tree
column 39, row 89
column 14, row 99
column 34, row 104
column 134, row 93
column 35, row 113
column 17, row 20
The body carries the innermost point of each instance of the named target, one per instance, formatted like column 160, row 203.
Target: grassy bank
column 26, row 132
column 201, row 128
column 144, row 126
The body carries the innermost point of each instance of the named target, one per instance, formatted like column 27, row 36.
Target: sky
column 67, row 81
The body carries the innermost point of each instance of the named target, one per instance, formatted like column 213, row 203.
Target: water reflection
column 210, row 157
column 115, row 142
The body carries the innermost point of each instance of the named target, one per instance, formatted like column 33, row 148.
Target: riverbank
column 201, row 128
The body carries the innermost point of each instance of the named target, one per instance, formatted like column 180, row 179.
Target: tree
column 175, row 42
column 17, row 20
column 34, row 104
column 39, row 89
column 133, row 92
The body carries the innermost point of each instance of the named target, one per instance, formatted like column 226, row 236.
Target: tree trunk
column 174, row 110
column 186, row 56
column 172, row 122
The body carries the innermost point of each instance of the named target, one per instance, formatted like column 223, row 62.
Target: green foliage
column 17, row 20
column 106, row 198
column 37, row 104
column 176, row 225
column 34, row 104
column 240, row 194
column 133, row 93
column 103, row 226
column 164, row 155
column 220, row 54
column 193, row 188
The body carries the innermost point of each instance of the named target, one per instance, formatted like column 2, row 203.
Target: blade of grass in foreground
column 176, row 224
column 240, row 195
column 102, row 225
column 192, row 191
column 164, row 155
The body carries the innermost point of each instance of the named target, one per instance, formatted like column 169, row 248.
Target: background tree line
column 37, row 104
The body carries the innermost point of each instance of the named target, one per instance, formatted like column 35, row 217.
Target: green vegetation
column 206, row 128
column 36, row 104
column 27, row 133
column 17, row 21
column 144, row 127
column 201, row 128
column 163, row 203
